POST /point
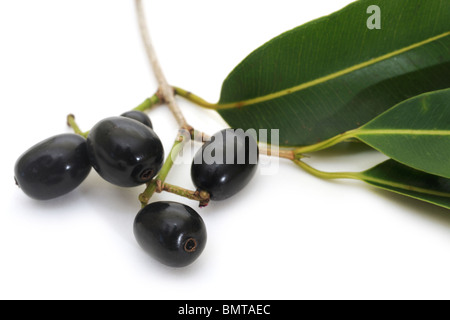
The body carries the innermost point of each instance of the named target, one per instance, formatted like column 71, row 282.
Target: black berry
column 53, row 167
column 225, row 164
column 138, row 116
column 171, row 232
column 124, row 151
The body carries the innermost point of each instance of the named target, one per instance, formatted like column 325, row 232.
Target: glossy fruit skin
column 53, row 167
column 170, row 232
column 138, row 116
column 124, row 151
column 223, row 180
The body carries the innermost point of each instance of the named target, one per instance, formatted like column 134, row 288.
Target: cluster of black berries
column 127, row 152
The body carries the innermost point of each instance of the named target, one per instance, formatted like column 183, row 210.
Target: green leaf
column 415, row 132
column 396, row 177
column 334, row 74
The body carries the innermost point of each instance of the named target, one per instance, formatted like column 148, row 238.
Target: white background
column 289, row 235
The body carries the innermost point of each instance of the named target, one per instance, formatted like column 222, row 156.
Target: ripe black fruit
column 53, row 167
column 138, row 116
column 225, row 164
column 171, row 232
column 124, row 151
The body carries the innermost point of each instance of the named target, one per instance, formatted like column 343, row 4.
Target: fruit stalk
column 201, row 196
column 73, row 124
column 149, row 103
column 152, row 186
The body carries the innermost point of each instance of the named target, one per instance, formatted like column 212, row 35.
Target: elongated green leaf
column 334, row 74
column 415, row 132
column 393, row 176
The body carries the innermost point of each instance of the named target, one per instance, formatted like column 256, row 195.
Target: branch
column 165, row 90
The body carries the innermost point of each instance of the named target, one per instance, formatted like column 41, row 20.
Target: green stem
column 328, row 175
column 325, row 144
column 362, row 176
column 152, row 186
column 144, row 106
column 149, row 103
column 73, row 124
column 194, row 98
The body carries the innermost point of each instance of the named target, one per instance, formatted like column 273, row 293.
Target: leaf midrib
column 326, row 78
column 431, row 132
column 405, row 187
